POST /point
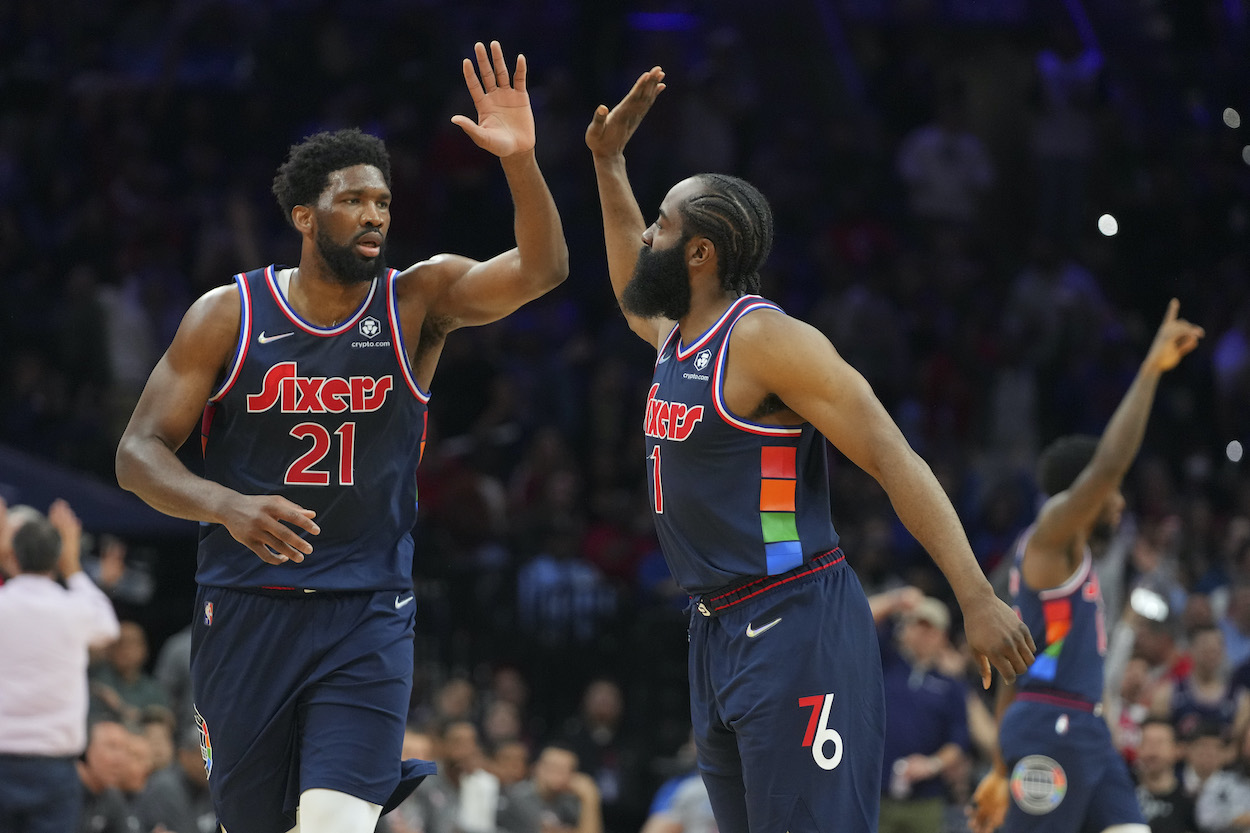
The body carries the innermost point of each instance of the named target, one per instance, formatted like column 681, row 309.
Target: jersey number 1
column 656, row 482
column 302, row 473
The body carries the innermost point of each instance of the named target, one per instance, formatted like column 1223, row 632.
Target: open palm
column 505, row 120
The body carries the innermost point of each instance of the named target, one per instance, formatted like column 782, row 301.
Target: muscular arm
column 1064, row 521
column 827, row 392
column 623, row 223
column 168, row 411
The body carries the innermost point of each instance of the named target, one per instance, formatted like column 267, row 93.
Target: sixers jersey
column 330, row 418
column 732, row 498
column 1068, row 629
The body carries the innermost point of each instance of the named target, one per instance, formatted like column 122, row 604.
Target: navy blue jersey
column 731, row 497
column 330, row 418
column 1068, row 628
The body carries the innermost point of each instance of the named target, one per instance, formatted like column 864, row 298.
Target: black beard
column 345, row 264
column 660, row 285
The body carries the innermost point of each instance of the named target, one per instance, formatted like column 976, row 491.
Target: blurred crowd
column 937, row 171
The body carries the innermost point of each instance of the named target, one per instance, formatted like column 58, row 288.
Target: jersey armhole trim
column 401, row 354
column 718, row 380
column 245, row 337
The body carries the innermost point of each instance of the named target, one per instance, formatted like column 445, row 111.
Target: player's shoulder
column 432, row 274
column 763, row 322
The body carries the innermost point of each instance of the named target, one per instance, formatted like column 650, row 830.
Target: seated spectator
column 1206, row 694
column 1224, row 803
column 103, row 769
column 1206, row 753
column 462, row 797
column 120, row 687
column 1164, row 802
column 45, row 630
column 555, row 799
column 175, row 797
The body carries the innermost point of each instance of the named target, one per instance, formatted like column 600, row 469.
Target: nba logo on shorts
column 208, row 613
column 1038, row 784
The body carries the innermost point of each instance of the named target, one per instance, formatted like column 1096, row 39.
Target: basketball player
column 785, row 672
column 312, row 386
column 1065, row 773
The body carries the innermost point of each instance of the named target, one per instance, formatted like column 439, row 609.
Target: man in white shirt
column 45, row 632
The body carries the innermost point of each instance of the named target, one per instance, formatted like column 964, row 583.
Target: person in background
column 556, row 798
column 926, row 726
column 105, row 767
column 1054, row 745
column 46, row 631
column 1164, row 802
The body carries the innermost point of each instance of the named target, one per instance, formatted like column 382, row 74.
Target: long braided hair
column 736, row 217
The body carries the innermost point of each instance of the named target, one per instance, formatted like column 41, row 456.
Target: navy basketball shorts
column 788, row 703
column 1064, row 774
column 299, row 692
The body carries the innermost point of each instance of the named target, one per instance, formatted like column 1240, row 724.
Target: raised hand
column 262, row 523
column 610, row 130
column 997, row 637
column 1175, row 339
column 505, row 120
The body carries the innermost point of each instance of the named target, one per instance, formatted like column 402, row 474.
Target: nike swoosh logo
column 264, row 339
column 399, row 604
column 754, row 632
column 663, row 358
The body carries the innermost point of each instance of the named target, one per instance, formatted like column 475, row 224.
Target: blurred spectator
column 173, row 672
column 106, row 765
column 1206, row 753
column 681, row 804
column 1164, row 802
column 556, row 798
column 45, row 633
column 1206, row 694
column 926, row 731
column 120, row 687
column 946, row 168
column 612, row 755
column 176, row 796
column 1236, row 624
column 1223, row 805
column 462, row 797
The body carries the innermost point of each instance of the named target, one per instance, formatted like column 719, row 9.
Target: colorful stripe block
column 783, row 556
column 778, row 462
column 777, row 495
column 778, row 472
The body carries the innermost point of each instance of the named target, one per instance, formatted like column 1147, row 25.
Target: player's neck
column 319, row 297
column 705, row 310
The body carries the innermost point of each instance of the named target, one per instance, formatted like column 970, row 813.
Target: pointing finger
column 471, row 81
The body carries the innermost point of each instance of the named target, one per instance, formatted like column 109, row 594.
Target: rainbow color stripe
column 1058, row 613
column 778, row 479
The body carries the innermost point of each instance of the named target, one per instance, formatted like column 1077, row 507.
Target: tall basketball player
column 785, row 672
column 310, row 384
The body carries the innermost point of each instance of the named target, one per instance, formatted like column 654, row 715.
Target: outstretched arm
column 1064, row 518
column 623, row 223
column 169, row 410
column 470, row 292
column 827, row 392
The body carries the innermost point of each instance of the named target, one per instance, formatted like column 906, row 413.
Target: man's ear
column 302, row 217
column 701, row 251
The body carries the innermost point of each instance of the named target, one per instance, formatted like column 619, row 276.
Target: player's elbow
column 126, row 463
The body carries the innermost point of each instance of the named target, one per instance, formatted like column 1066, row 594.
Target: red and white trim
column 271, row 278
column 718, row 381
column 684, row 353
column 1071, row 585
column 245, row 337
column 397, row 336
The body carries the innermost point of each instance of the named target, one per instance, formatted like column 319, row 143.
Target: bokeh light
column 1108, row 225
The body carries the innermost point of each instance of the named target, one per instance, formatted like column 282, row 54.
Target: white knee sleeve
column 330, row 811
